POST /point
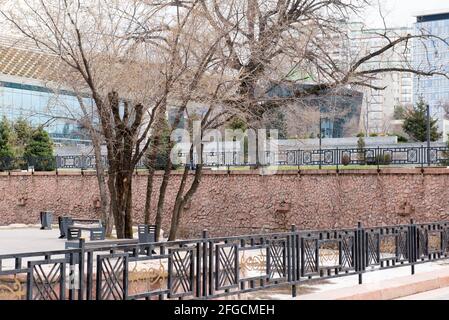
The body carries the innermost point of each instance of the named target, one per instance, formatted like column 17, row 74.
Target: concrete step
column 439, row 294
column 388, row 289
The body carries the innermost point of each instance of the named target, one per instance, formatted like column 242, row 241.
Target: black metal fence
column 398, row 156
column 209, row 268
column 394, row 156
column 25, row 163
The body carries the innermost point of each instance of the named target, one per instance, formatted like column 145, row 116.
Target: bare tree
column 132, row 62
column 294, row 40
column 135, row 58
column 90, row 40
column 86, row 119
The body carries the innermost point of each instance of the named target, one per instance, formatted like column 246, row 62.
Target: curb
column 388, row 289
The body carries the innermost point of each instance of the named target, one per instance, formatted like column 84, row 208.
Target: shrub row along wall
column 243, row 202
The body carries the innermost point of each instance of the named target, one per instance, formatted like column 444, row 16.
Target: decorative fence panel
column 398, row 156
column 394, row 156
column 209, row 268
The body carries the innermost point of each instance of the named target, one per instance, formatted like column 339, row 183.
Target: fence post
column 205, row 244
column 293, row 264
column 412, row 245
column 378, row 158
column 320, row 164
column 82, row 160
column 422, row 158
column 71, row 278
column 337, row 159
column 298, row 160
column 89, row 275
column 82, row 243
column 29, row 285
column 197, row 271
column 360, row 251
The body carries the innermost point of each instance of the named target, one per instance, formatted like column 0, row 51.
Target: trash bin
column 146, row 233
column 46, row 220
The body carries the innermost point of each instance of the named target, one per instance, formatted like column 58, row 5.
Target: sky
column 400, row 13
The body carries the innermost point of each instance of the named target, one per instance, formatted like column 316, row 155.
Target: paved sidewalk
column 389, row 289
column 29, row 239
column 439, row 294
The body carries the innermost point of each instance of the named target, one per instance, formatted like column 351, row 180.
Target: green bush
column 6, row 150
column 346, row 160
column 402, row 139
column 6, row 163
column 39, row 151
column 415, row 123
column 361, row 150
column 163, row 149
column 384, row 159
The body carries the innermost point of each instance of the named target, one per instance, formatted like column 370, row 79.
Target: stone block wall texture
column 247, row 202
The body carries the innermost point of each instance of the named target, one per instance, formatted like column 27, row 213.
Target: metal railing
column 416, row 156
column 340, row 158
column 209, row 268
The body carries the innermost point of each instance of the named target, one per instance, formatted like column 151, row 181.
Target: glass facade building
column 338, row 109
column 40, row 106
column 432, row 54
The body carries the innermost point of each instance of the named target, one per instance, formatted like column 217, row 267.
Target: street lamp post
column 428, row 134
column 320, row 143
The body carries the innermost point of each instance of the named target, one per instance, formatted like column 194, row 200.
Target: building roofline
column 425, row 13
column 20, row 43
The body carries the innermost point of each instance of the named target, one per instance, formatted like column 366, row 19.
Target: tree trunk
column 182, row 199
column 177, row 213
column 151, row 169
column 128, row 196
column 118, row 219
column 123, row 203
column 106, row 214
column 150, row 180
column 160, row 203
column 180, row 203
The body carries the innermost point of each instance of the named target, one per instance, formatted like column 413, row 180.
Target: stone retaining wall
column 242, row 202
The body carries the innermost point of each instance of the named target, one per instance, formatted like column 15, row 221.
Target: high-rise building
column 432, row 54
column 379, row 105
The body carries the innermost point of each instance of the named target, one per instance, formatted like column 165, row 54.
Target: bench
column 146, row 234
column 96, row 233
column 87, row 220
column 67, row 222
